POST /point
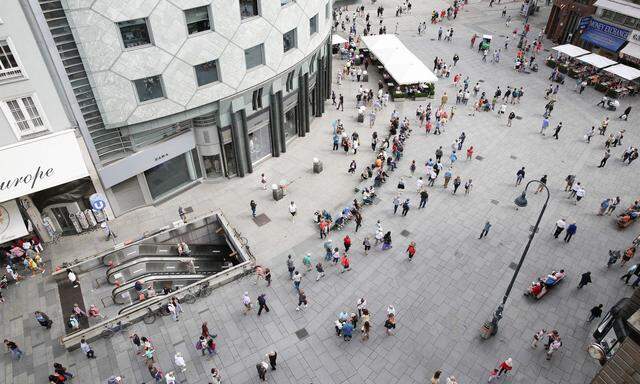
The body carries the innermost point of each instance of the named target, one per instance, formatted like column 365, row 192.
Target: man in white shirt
column 292, row 210
column 560, row 226
column 419, row 184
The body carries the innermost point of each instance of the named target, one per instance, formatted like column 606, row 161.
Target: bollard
column 317, row 165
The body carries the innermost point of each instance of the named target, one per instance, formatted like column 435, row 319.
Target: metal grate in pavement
column 518, row 117
column 513, row 265
column 479, row 158
column 405, row 233
column 495, row 202
column 261, row 219
column 513, row 157
column 302, row 333
column 480, row 81
column 188, row 210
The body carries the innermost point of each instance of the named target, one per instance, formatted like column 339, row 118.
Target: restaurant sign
column 605, row 35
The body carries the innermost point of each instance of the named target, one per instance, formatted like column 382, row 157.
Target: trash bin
column 317, row 165
column 283, row 186
column 486, row 330
column 276, row 191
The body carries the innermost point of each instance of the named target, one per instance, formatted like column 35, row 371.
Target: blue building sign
column 605, row 35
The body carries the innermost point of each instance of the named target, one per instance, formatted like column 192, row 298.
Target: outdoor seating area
column 405, row 75
column 605, row 75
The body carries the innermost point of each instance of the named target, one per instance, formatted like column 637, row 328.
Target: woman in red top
column 346, row 266
column 470, row 153
column 411, row 250
column 347, row 243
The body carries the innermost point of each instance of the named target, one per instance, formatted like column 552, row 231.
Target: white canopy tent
column 398, row 60
column 624, row 71
column 570, row 50
column 597, row 60
column 337, row 39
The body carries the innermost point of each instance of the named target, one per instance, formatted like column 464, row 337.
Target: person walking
column 613, row 205
column 390, row 323
column 411, row 250
column 537, row 337
column 560, row 226
column 607, row 155
column 557, row 130
column 178, row 359
column 405, row 207
column 543, row 182
column 366, row 244
column 358, row 220
column 253, row 206
column 273, row 357
column 584, row 279
column 361, row 305
column 485, row 229
column 604, row 206
column 467, row 186
column 246, row 302
column 262, row 368
column 290, row 267
column 626, row 113
column 340, row 103
column 306, row 261
column 424, row 196
column 571, row 230
column 182, row 214
column 512, row 115
column 396, row 203
column 505, row 367
column 595, row 312
column 456, row 184
column 86, row 348
column 297, row 278
column 319, row 270
column 435, row 379
column 262, row 303
column 447, row 177
column 545, row 125
column 302, row 299
column 293, row 210
column 345, row 262
column 520, row 176
column 346, row 241
column 43, row 319
column 553, row 346
column 12, row 347
column 633, row 270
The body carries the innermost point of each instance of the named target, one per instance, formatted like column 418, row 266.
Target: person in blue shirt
column 347, row 331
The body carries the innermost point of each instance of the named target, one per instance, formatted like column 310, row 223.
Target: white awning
column 620, row 7
column 597, row 61
column 398, row 60
column 337, row 39
column 571, row 50
column 632, row 50
column 624, row 71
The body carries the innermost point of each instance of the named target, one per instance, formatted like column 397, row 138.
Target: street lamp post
column 520, row 201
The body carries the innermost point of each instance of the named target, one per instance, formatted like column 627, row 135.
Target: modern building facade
column 172, row 93
column 607, row 27
column 46, row 176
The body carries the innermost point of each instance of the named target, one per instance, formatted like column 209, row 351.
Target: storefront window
column 230, row 157
column 168, row 176
column 212, row 166
column 290, row 130
column 260, row 144
column 196, row 162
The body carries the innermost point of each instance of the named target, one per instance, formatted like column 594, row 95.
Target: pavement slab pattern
column 442, row 297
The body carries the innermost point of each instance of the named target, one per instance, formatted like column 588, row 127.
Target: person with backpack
column 43, row 319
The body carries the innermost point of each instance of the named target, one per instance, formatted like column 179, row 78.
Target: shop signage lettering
column 30, row 179
column 609, row 29
column 635, row 35
column 160, row 157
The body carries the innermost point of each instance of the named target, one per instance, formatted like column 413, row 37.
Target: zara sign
column 34, row 165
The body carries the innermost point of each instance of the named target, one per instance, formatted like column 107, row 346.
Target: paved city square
column 442, row 296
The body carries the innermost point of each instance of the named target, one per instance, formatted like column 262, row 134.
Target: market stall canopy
column 570, row 50
column 632, row 50
column 597, row 61
column 402, row 65
column 624, row 71
column 337, row 39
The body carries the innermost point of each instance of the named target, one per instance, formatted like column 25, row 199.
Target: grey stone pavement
column 442, row 297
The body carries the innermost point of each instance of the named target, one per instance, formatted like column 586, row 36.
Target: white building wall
column 35, row 80
column 173, row 52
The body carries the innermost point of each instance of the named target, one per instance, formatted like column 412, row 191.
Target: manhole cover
column 513, row 157
column 432, row 39
column 302, row 333
column 261, row 219
column 479, row 158
column 531, row 229
column 405, row 233
column 513, row 265
column 495, row 202
column 518, row 117
column 480, row 81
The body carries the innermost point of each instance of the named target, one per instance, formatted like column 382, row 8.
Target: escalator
column 163, row 259
column 127, row 293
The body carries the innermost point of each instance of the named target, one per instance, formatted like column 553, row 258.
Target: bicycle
column 204, row 290
column 109, row 331
column 150, row 316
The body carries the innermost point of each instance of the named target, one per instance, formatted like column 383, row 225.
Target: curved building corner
column 170, row 94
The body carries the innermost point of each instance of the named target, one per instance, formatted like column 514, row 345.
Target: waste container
column 276, row 191
column 486, row 330
column 317, row 165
